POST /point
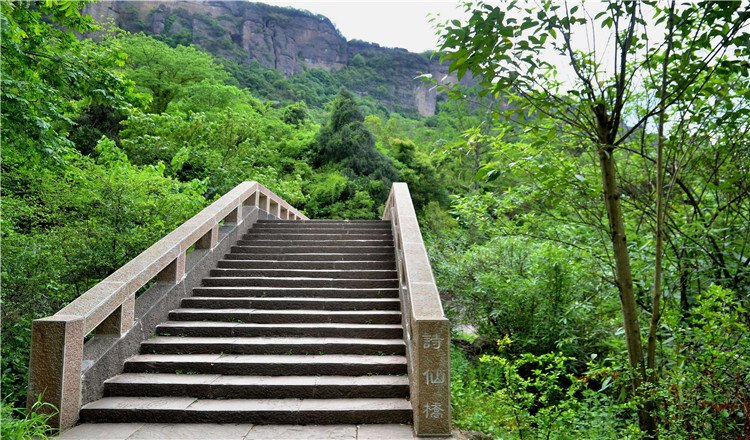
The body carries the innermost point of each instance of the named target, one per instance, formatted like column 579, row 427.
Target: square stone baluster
column 432, row 409
column 55, row 367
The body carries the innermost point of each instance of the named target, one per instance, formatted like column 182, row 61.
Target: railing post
column 55, row 367
column 432, row 412
column 209, row 240
column 174, row 272
column 120, row 321
column 263, row 202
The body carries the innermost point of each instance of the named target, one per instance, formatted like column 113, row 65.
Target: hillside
column 288, row 40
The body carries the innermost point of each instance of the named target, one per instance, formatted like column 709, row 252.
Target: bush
column 534, row 398
column 705, row 392
column 535, row 293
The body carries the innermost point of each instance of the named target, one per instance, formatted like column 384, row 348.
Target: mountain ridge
column 286, row 39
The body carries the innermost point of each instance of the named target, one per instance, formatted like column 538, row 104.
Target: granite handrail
column 426, row 329
column 108, row 308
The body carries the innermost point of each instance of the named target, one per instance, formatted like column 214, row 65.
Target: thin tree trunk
column 623, row 272
column 624, row 280
column 659, row 239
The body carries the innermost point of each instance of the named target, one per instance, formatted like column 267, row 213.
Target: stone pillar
column 209, row 240
column 432, row 408
column 120, row 321
column 274, row 208
column 263, row 202
column 55, row 367
column 174, row 272
column 235, row 216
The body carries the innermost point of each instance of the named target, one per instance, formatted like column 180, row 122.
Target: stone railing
column 67, row 372
column 427, row 331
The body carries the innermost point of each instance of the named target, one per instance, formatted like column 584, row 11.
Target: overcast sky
column 402, row 24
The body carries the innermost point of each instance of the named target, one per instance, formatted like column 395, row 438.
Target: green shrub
column 535, row 398
column 533, row 292
column 705, row 392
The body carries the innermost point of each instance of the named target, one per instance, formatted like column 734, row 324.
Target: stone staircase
column 299, row 324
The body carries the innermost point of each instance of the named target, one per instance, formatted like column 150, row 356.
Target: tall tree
column 345, row 140
column 164, row 72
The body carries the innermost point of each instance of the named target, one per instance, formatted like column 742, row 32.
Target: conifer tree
column 346, row 141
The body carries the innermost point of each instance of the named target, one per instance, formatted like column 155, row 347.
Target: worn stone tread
column 233, row 329
column 312, row 241
column 306, row 292
column 212, row 386
column 178, row 409
column 272, row 345
column 308, row 265
column 270, row 316
column 267, row 365
column 306, row 273
column 311, row 256
column 312, row 249
column 326, row 234
column 286, row 303
column 144, row 378
column 301, row 282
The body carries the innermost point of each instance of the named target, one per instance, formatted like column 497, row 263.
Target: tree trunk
column 624, row 280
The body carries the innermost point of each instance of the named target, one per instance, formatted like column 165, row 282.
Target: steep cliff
column 285, row 39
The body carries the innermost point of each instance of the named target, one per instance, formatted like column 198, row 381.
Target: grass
column 15, row 424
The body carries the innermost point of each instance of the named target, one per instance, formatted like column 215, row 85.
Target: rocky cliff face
column 285, row 39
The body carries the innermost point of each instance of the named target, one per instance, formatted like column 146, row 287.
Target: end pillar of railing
column 108, row 309
column 426, row 329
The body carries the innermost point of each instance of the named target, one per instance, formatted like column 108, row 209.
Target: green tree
column 346, row 141
column 47, row 73
column 416, row 169
column 295, row 114
column 164, row 72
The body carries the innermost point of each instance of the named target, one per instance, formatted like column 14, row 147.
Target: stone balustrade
column 67, row 372
column 426, row 329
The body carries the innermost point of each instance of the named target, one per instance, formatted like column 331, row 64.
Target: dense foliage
column 107, row 145
column 639, row 170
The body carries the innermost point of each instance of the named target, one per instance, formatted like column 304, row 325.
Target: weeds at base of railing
column 16, row 424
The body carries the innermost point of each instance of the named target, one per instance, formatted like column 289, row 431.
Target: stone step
column 240, row 431
column 323, row 223
column 267, row 365
column 320, row 221
column 340, row 231
column 311, row 257
column 287, row 316
column 328, row 234
column 305, row 273
column 315, row 330
column 301, row 282
column 306, row 265
column 335, row 243
column 215, row 386
column 304, row 292
column 270, row 303
column 259, row 411
column 272, row 345
column 313, row 249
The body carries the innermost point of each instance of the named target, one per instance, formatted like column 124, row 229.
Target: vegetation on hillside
column 589, row 238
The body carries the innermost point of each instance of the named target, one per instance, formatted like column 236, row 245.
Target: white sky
column 388, row 23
